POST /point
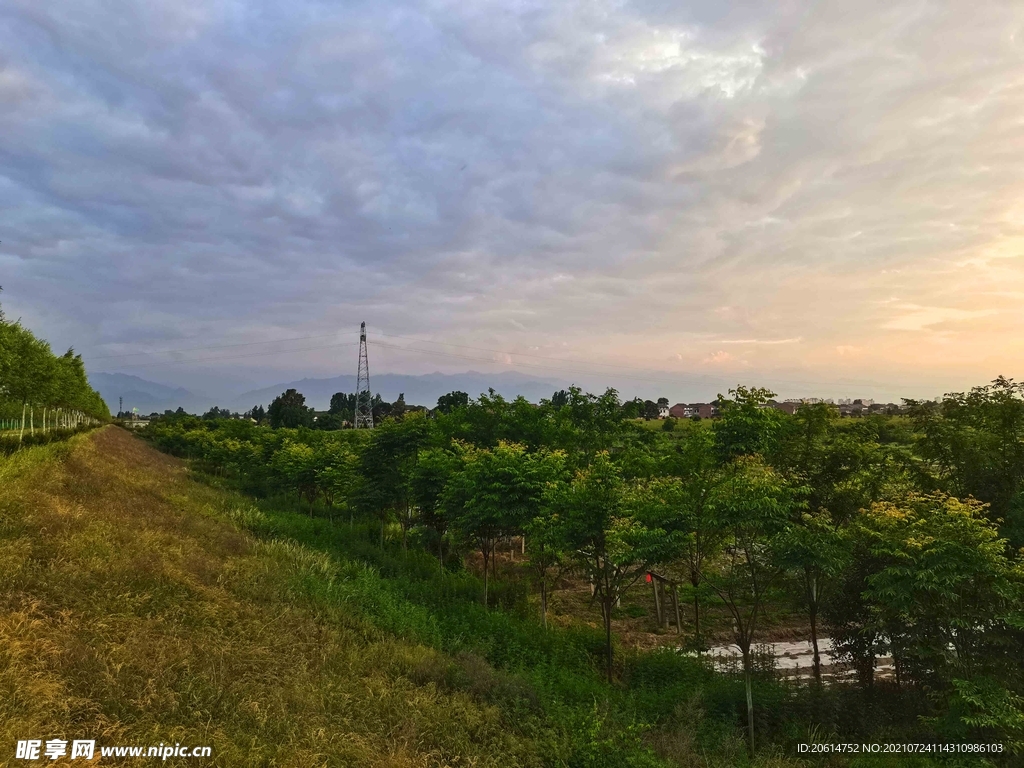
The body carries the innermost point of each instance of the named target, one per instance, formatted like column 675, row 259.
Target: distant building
column 689, row 410
column 705, row 410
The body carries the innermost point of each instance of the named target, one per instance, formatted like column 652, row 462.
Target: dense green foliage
column 41, row 389
column 867, row 526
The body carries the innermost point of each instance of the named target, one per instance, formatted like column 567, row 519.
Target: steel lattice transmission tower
column 364, row 405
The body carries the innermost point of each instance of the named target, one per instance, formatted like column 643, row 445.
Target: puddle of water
column 794, row 659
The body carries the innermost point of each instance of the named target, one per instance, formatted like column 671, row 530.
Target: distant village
column 846, row 407
column 644, row 409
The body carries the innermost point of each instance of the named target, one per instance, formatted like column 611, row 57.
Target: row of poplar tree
column 899, row 534
column 40, row 390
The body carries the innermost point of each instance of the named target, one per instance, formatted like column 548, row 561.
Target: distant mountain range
column 424, row 389
column 146, row 396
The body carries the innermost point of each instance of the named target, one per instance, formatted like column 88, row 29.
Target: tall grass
column 139, row 605
column 129, row 616
column 668, row 706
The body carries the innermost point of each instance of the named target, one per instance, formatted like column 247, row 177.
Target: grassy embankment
column 138, row 606
column 129, row 614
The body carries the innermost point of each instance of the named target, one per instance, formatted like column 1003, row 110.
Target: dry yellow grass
column 130, row 615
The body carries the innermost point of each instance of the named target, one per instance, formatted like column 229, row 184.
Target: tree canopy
column 32, row 377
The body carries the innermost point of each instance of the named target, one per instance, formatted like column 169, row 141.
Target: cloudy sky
column 820, row 196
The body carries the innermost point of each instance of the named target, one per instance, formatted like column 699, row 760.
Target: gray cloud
column 633, row 183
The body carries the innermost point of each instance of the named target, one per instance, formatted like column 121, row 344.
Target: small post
column 664, row 603
column 657, row 600
column 675, row 599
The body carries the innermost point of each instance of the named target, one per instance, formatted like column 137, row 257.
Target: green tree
column 633, row 409
column 814, row 547
column 830, row 475
column 289, row 410
column 343, row 404
column 747, row 426
column 430, row 476
column 496, row 493
column 586, row 423
column 398, row 408
column 296, row 464
column 385, row 468
column 541, row 538
column 448, row 403
column 753, row 509
column 944, row 581
column 611, row 531
column 692, row 483
column 336, row 467
column 974, row 443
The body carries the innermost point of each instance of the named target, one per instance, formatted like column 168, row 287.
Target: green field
column 142, row 604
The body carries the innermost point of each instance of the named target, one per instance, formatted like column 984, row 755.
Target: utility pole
column 120, row 406
column 364, row 404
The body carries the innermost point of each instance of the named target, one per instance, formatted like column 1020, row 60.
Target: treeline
column 40, row 390
column 289, row 410
column 898, row 536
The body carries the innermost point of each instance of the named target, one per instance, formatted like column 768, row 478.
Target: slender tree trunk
column 657, row 600
column 812, row 610
column 696, row 616
column 382, row 533
column 607, row 602
column 675, row 604
column 32, row 421
column 440, row 554
column 485, row 550
column 750, row 695
column 21, row 434
column 544, row 602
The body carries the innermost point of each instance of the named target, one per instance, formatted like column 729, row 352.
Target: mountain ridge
column 419, row 389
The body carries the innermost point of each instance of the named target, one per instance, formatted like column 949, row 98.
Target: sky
column 827, row 198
